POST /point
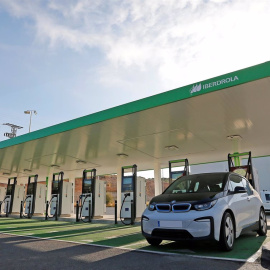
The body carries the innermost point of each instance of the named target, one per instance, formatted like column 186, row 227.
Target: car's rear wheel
column 153, row 242
column 262, row 223
column 227, row 232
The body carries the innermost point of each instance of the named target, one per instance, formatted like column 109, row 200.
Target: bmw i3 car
column 209, row 206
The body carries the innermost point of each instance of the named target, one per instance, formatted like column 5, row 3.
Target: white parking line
column 90, row 240
column 134, row 244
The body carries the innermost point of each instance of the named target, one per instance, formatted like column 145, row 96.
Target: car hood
column 185, row 197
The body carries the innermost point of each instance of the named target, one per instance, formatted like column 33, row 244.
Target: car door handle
column 248, row 198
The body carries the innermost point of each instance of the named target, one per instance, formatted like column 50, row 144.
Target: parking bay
column 246, row 247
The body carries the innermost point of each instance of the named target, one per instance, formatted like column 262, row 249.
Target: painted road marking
column 255, row 256
column 135, row 250
column 134, row 244
column 74, row 227
column 111, row 233
column 90, row 241
column 48, row 227
column 94, row 232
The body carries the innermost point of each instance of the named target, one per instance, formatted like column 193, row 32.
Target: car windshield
column 199, row 183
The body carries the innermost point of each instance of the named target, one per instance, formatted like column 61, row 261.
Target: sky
column 70, row 58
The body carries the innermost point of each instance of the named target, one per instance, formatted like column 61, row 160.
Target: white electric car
column 218, row 206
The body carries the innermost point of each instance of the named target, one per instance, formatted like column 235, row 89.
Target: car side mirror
column 239, row 190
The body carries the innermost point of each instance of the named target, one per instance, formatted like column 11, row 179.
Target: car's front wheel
column 153, row 242
column 227, row 232
column 262, row 223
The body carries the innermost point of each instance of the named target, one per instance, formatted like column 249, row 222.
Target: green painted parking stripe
column 82, row 233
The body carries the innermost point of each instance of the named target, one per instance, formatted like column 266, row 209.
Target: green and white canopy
column 195, row 120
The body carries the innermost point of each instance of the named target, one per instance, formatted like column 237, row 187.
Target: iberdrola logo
column 196, row 88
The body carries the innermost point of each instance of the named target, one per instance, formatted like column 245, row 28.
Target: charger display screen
column 87, row 185
column 127, row 184
column 30, row 189
column 9, row 190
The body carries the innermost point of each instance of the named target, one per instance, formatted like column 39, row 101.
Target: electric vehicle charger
column 22, row 213
column 3, row 202
column 121, row 218
column 34, row 201
column 49, row 205
column 55, row 202
column 245, row 170
column 174, row 173
column 12, row 202
column 82, row 203
column 132, row 195
column 92, row 200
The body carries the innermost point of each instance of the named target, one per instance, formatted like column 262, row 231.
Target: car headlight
column 152, row 207
column 205, row 206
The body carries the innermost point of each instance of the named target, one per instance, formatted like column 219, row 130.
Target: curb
column 266, row 252
column 73, row 220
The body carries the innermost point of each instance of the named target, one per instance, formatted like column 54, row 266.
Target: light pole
column 30, row 112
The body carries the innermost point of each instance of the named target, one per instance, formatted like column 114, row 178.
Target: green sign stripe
column 127, row 167
column 88, row 170
column 239, row 154
column 221, row 82
column 177, row 161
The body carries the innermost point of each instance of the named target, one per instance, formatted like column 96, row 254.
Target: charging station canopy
column 191, row 122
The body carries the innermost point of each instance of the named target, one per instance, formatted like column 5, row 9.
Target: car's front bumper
column 199, row 228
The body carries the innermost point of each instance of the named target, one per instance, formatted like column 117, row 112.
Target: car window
column 182, row 187
column 247, row 186
column 213, row 182
column 235, row 181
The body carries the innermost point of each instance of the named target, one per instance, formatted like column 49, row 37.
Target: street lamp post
column 30, row 112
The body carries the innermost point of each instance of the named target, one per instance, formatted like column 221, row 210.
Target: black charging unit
column 244, row 170
column 55, row 203
column 85, row 208
column 8, row 200
column 30, row 197
column 128, row 195
column 174, row 174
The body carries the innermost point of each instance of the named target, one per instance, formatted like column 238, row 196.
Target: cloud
column 181, row 41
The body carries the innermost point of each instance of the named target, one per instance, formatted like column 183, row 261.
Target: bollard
column 47, row 207
column 56, row 208
column 77, row 211
column 29, row 214
column 89, row 210
column 132, row 213
column 21, row 210
column 7, row 209
column 115, row 212
column 1, row 208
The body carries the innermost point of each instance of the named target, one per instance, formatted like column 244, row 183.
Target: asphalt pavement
column 27, row 253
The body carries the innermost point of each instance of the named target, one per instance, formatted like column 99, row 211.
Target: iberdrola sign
column 199, row 86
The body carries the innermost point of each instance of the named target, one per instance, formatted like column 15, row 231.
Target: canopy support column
column 119, row 183
column 71, row 177
column 157, row 175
